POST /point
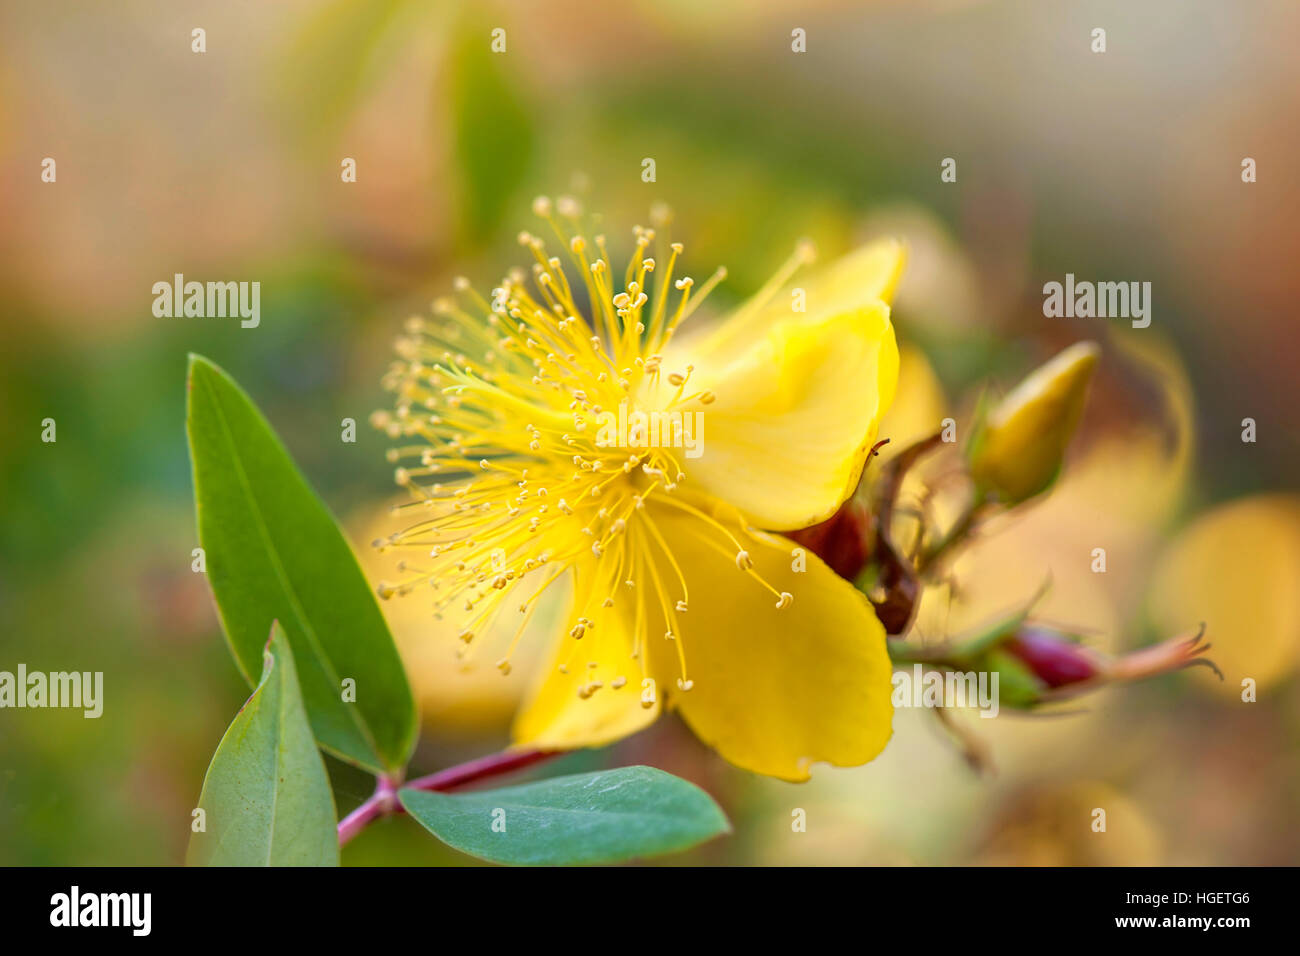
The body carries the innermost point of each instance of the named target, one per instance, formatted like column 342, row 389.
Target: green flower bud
column 1018, row 451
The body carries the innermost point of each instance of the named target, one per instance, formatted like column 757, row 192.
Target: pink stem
column 384, row 800
column 380, row 803
column 480, row 769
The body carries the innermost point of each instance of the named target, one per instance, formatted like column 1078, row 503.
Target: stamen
column 497, row 402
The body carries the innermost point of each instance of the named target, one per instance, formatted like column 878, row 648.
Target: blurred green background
column 225, row 165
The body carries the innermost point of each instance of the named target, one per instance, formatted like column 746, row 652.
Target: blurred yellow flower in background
column 1237, row 567
column 1084, row 823
column 519, row 478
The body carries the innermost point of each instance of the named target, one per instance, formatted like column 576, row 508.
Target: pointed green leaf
column 266, row 800
column 604, row 817
column 274, row 552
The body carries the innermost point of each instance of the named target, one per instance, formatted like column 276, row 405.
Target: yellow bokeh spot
column 1237, row 568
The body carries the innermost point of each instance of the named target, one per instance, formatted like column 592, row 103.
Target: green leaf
column 266, row 798
column 274, row 552
column 493, row 128
column 604, row 817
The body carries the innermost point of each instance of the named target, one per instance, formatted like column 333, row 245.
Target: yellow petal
column 870, row 272
column 865, row 276
column 774, row 691
column 555, row 716
column 795, row 416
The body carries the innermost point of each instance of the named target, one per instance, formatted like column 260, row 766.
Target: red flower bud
column 843, row 540
column 1054, row 658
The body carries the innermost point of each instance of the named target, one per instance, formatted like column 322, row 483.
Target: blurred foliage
column 333, row 60
column 492, row 127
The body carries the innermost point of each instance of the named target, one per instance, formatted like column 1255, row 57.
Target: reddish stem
column 490, row 766
column 380, row 803
column 384, row 800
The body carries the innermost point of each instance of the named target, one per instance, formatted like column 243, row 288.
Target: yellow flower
column 1019, row 451
column 574, row 427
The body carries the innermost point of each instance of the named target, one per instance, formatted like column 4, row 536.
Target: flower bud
column 843, row 540
column 1053, row 658
column 1018, row 451
column 1063, row 667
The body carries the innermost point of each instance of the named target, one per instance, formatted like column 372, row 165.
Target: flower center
column 538, row 430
